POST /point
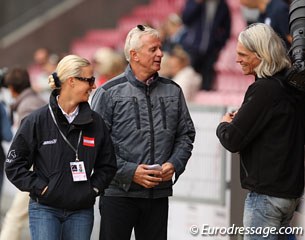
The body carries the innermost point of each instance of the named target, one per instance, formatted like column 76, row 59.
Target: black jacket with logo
column 268, row 132
column 38, row 142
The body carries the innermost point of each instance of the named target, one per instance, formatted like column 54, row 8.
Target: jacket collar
column 84, row 116
column 132, row 79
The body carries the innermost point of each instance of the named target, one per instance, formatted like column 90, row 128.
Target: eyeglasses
column 89, row 80
column 141, row 27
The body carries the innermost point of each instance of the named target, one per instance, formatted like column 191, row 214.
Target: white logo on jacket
column 11, row 156
column 53, row 141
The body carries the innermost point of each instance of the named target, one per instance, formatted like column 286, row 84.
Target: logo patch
column 11, row 156
column 53, row 141
column 89, row 142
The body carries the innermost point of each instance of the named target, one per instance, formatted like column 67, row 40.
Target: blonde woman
column 59, row 140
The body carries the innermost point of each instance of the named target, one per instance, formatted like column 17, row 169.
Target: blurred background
column 36, row 34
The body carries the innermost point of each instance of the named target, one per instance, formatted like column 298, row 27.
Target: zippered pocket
column 163, row 112
column 137, row 112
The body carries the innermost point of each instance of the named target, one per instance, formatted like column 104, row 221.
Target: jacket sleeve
column 250, row 120
column 105, row 166
column 184, row 139
column 19, row 160
column 102, row 103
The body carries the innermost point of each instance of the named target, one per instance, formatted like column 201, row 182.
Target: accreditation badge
column 78, row 171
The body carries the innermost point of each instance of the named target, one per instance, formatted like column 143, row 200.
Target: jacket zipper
column 152, row 136
column 163, row 112
column 137, row 112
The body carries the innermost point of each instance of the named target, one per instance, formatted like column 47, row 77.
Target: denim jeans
column 263, row 212
column 49, row 223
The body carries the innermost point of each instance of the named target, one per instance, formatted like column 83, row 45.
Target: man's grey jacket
column 148, row 124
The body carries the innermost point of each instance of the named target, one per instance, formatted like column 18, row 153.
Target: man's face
column 248, row 60
column 150, row 54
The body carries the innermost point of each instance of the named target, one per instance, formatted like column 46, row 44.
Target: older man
column 152, row 133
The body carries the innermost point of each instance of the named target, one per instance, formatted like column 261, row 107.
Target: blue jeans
column 49, row 223
column 262, row 212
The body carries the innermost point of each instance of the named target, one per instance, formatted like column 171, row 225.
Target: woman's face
column 84, row 84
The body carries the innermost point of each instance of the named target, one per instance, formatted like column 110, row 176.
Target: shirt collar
column 70, row 117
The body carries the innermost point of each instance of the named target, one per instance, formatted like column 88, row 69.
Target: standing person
column 274, row 13
column 268, row 132
column 183, row 73
column 26, row 101
column 5, row 135
column 208, row 27
column 53, row 139
column 149, row 124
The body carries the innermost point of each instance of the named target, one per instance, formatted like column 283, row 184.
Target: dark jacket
column 148, row 124
column 268, row 131
column 277, row 16
column 194, row 16
column 39, row 143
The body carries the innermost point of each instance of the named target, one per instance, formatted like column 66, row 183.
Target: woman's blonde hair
column 268, row 47
column 69, row 66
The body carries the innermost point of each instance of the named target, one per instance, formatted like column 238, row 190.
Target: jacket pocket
column 163, row 112
column 136, row 112
column 62, row 192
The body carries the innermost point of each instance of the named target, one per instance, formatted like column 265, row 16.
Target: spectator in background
column 26, row 101
column 5, row 131
column 62, row 134
column 5, row 135
column 165, row 70
column 44, row 64
column 208, row 26
column 268, row 131
column 107, row 64
column 274, row 13
column 174, row 32
column 183, row 74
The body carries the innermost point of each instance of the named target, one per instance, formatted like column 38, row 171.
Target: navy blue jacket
column 39, row 143
column 193, row 17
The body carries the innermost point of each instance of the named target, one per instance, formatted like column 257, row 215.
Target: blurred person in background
column 26, row 101
column 6, row 133
column 208, row 27
column 183, row 74
column 107, row 64
column 274, row 13
column 268, row 131
column 57, row 139
column 45, row 62
column 165, row 70
column 174, row 32
column 153, row 135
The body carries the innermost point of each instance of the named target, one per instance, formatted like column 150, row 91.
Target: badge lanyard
column 64, row 137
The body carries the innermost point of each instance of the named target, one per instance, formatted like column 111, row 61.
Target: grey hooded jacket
column 148, row 125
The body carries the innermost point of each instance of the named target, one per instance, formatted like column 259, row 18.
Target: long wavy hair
column 268, row 47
